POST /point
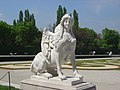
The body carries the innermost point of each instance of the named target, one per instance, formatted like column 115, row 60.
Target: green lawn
column 97, row 63
column 7, row 88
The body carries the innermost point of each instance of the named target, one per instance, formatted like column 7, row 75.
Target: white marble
column 39, row 83
column 56, row 48
column 55, row 80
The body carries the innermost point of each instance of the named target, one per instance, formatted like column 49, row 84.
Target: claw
column 62, row 77
column 78, row 76
column 47, row 75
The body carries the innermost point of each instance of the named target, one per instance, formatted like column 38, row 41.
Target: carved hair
column 66, row 16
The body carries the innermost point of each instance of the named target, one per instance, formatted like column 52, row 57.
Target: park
column 61, row 55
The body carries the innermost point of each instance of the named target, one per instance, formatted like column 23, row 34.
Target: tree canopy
column 87, row 38
column 25, row 33
column 111, row 38
column 76, row 22
column 60, row 12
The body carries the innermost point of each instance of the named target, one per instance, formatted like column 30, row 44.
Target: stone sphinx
column 56, row 48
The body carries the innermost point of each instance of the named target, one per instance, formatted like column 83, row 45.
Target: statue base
column 41, row 83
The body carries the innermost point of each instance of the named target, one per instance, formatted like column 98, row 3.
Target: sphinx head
column 66, row 21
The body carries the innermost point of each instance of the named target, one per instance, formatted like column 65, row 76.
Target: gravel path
column 104, row 80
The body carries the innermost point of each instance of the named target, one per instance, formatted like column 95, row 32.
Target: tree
column 85, row 39
column 7, row 35
column 98, row 41
column 27, row 15
column 26, row 34
column 25, row 30
column 32, row 19
column 110, row 38
column 64, row 11
column 87, row 36
column 20, row 16
column 14, row 22
column 59, row 14
column 22, row 33
column 70, row 14
column 76, row 23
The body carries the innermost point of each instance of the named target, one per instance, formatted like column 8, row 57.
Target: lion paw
column 62, row 77
column 78, row 76
column 47, row 75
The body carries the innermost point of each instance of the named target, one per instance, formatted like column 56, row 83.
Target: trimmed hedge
column 19, row 50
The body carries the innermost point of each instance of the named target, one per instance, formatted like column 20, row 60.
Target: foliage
column 21, row 33
column 21, row 16
column 7, row 35
column 76, row 23
column 60, row 12
column 24, row 32
column 27, row 16
column 14, row 22
column 64, row 11
column 110, row 38
column 87, row 36
column 85, row 39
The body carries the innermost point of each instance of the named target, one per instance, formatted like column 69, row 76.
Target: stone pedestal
column 41, row 83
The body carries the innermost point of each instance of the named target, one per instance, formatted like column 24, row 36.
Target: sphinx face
column 67, row 24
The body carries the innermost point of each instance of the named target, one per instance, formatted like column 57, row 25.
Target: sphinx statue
column 56, row 48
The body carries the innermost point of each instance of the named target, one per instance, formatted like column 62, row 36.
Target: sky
column 93, row 14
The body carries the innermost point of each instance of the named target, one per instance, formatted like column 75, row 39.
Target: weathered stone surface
column 56, row 48
column 41, row 83
column 70, row 81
